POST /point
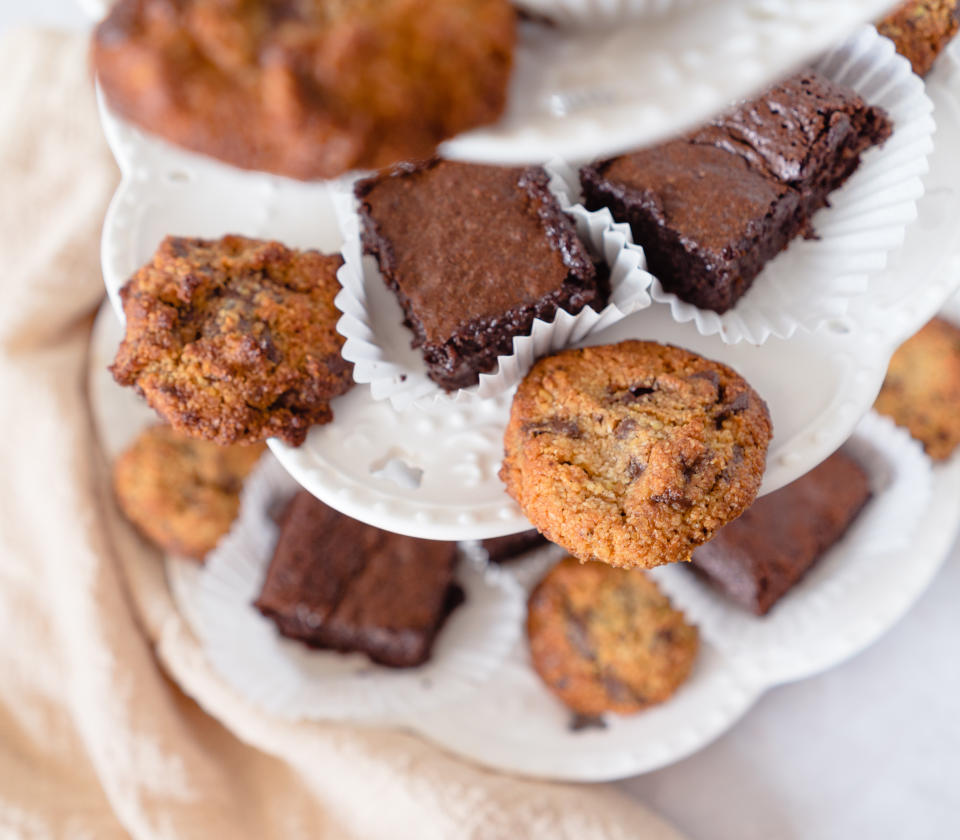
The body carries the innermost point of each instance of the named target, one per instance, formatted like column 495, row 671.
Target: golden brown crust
column 607, row 640
column 306, row 88
column 633, row 453
column 182, row 494
column 921, row 390
column 920, row 29
column 234, row 340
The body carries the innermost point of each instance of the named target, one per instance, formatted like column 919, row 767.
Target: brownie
column 711, row 208
column 474, row 254
column 340, row 584
column 501, row 549
column 757, row 558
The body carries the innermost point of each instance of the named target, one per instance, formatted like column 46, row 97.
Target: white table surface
column 870, row 749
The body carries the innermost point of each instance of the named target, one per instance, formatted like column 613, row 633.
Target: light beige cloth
column 95, row 740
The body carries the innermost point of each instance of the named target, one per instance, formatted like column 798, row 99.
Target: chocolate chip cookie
column 633, row 453
column 922, row 388
column 920, row 29
column 306, row 89
column 182, row 494
column 607, row 640
column 234, row 340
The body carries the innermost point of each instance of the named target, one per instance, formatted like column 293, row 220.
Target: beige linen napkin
column 95, row 741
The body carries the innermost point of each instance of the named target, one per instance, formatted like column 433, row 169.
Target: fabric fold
column 96, row 739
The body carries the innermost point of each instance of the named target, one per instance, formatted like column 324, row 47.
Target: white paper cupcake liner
column 809, row 618
column 596, row 14
column 378, row 343
column 293, row 681
column 812, row 281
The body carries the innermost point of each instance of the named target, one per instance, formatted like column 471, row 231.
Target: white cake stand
column 510, row 721
column 433, row 472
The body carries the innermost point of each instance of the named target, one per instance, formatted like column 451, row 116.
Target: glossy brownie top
column 464, row 242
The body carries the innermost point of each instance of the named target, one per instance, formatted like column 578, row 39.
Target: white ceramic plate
column 584, row 93
column 579, row 93
column 433, row 472
column 848, row 601
column 290, row 680
column 513, row 724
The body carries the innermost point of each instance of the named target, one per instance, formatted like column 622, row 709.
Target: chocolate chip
column 736, row 458
column 625, row 428
column 273, row 354
column 187, row 285
column 580, row 722
column 578, row 635
column 672, row 497
column 664, row 635
column 691, row 468
column 738, row 404
column 635, row 393
column 619, row 691
column 554, row 426
column 635, row 468
column 709, row 375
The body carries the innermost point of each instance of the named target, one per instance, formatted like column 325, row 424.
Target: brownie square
column 474, row 254
column 713, row 207
column 502, row 549
column 807, row 132
column 340, row 584
column 757, row 558
column 708, row 222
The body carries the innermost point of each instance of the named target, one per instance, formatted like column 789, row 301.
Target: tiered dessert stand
column 431, row 470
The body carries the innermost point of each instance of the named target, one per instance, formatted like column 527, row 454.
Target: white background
column 870, row 749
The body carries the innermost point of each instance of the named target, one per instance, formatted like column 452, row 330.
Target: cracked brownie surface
column 234, row 340
column 306, row 88
column 711, row 208
column 921, row 390
column 633, row 453
column 496, row 237
column 607, row 640
column 182, row 494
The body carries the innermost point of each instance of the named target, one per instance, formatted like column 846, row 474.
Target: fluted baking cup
column 813, row 280
column 378, row 343
column 808, row 619
column 597, row 14
column 292, row 681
